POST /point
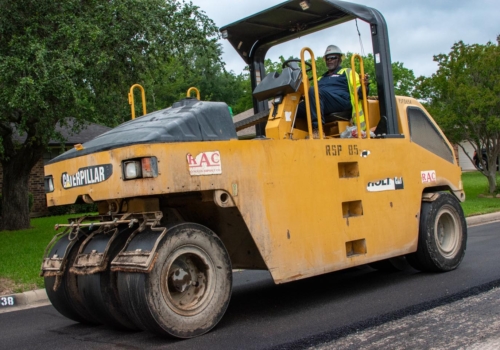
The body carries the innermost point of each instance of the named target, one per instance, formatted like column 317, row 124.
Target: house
column 464, row 161
column 36, row 181
column 248, row 133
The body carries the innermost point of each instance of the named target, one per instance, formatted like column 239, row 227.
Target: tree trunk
column 15, row 207
column 17, row 164
column 492, row 179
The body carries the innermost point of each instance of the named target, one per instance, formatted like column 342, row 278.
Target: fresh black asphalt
column 295, row 315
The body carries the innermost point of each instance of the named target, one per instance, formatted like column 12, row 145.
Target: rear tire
column 442, row 235
column 188, row 289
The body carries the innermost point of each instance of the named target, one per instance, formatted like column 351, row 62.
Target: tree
column 464, row 97
column 403, row 78
column 78, row 59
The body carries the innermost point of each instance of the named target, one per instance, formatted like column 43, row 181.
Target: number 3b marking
column 6, row 301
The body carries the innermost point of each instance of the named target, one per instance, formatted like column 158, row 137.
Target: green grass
column 21, row 252
column 475, row 184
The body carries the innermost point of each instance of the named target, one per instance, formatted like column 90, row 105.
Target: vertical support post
column 356, row 98
column 305, row 81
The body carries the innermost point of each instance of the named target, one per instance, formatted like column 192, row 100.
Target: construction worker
column 336, row 90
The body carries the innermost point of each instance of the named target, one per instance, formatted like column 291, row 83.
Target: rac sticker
column 205, row 163
column 388, row 184
column 87, row 176
column 428, row 176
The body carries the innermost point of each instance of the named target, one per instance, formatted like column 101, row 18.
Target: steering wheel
column 287, row 64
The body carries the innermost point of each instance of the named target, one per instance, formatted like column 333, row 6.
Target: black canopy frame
column 253, row 36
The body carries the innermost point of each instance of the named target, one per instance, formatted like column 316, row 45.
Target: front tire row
column 184, row 295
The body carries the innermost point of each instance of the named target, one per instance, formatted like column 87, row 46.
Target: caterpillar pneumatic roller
column 182, row 201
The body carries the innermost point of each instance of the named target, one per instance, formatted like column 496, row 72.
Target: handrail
column 131, row 99
column 356, row 98
column 188, row 93
column 306, row 92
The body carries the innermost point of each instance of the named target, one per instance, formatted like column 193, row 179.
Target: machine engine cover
column 187, row 120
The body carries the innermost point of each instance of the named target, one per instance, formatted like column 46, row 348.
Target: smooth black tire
column 99, row 291
column 396, row 264
column 66, row 299
column 442, row 236
column 188, row 289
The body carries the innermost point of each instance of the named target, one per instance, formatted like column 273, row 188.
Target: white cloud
column 418, row 30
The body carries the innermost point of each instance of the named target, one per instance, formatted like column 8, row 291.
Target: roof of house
column 87, row 133
column 248, row 131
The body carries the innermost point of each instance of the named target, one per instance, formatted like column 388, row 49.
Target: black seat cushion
column 343, row 116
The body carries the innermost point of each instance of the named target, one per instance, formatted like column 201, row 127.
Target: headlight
column 140, row 168
column 132, row 169
column 48, row 184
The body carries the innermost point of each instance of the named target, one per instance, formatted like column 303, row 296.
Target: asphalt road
column 296, row 315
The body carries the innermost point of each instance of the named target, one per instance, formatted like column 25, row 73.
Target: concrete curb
column 31, row 297
column 483, row 219
column 25, row 300
column 39, row 297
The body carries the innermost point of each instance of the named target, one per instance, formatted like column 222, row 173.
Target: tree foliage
column 403, row 78
column 464, row 97
column 78, row 59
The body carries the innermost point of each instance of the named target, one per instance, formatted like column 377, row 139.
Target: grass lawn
column 475, row 184
column 21, row 254
column 21, row 251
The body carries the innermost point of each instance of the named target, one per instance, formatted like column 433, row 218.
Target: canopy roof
column 253, row 36
column 288, row 21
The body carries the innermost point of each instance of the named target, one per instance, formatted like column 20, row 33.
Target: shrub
column 72, row 209
column 31, row 200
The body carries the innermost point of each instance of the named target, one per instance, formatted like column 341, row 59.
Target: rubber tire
column 146, row 302
column 66, row 299
column 431, row 255
column 99, row 291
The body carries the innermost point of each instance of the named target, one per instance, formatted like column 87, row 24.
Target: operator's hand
column 366, row 81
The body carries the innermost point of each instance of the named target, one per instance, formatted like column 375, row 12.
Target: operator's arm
column 366, row 82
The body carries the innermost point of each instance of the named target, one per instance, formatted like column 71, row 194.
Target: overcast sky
column 417, row 29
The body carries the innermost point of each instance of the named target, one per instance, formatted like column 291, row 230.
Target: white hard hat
column 333, row 49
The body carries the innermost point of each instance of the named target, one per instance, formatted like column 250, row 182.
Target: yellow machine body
column 295, row 206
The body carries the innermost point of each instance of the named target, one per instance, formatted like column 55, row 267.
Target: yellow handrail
column 356, row 99
column 306, row 92
column 131, row 99
column 188, row 93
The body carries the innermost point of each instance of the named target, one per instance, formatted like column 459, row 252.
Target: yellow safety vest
column 353, row 89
